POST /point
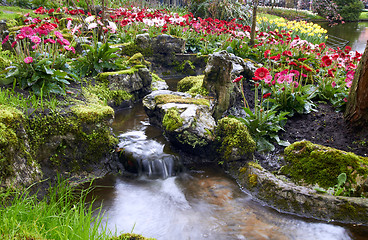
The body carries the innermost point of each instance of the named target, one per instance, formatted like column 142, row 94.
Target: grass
column 9, row 12
column 363, row 15
column 62, row 214
column 17, row 100
column 289, row 14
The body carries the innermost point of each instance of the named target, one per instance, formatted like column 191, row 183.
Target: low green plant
column 42, row 75
column 263, row 122
column 337, row 190
column 62, row 214
column 95, row 59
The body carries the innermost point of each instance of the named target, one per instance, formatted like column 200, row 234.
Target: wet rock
column 221, row 69
column 186, row 121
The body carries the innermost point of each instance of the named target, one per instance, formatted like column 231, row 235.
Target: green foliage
column 289, row 14
column 294, row 100
column 21, row 3
column 62, row 214
column 232, row 134
column 43, row 76
column 263, row 126
column 96, row 58
column 221, row 9
column 350, row 10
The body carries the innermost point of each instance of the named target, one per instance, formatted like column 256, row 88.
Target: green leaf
column 341, row 179
column 49, row 70
column 264, row 146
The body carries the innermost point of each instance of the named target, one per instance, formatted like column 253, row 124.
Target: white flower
column 89, row 19
column 112, row 26
column 92, row 26
column 69, row 24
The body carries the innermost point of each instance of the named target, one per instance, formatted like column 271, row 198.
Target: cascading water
column 166, row 203
column 146, row 156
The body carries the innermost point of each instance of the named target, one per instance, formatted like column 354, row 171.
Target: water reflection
column 355, row 32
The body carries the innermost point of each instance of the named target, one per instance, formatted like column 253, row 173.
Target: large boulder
column 186, row 121
column 221, row 69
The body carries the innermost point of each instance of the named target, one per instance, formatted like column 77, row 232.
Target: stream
column 168, row 202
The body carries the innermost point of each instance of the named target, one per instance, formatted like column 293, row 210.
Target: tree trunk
column 357, row 106
column 254, row 23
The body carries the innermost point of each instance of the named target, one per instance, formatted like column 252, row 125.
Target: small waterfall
column 143, row 156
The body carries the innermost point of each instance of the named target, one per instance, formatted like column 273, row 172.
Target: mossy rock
column 170, row 98
column 105, row 94
column 10, row 115
column 192, row 85
column 131, row 236
column 233, row 139
column 138, row 59
column 131, row 48
column 316, row 164
column 93, row 112
column 104, row 75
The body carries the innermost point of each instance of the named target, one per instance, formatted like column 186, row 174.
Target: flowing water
column 168, row 203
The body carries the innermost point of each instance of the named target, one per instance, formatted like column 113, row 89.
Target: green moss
column 316, row 164
column 131, row 48
column 138, row 59
column 231, row 133
column 7, row 136
column 172, row 120
column 68, row 140
column 169, row 98
column 92, row 112
column 191, row 139
column 255, row 165
column 10, row 116
column 252, row 179
column 103, row 76
column 131, row 236
column 185, row 67
column 102, row 91
column 10, row 143
column 156, row 78
column 192, row 85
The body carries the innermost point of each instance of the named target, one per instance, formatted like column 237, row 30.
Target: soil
column 325, row 126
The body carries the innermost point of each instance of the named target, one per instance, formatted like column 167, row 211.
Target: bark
column 357, row 106
column 254, row 23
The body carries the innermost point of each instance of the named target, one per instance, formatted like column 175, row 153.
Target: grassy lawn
column 364, row 15
column 7, row 12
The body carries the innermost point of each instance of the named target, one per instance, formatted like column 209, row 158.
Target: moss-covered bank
column 316, row 164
